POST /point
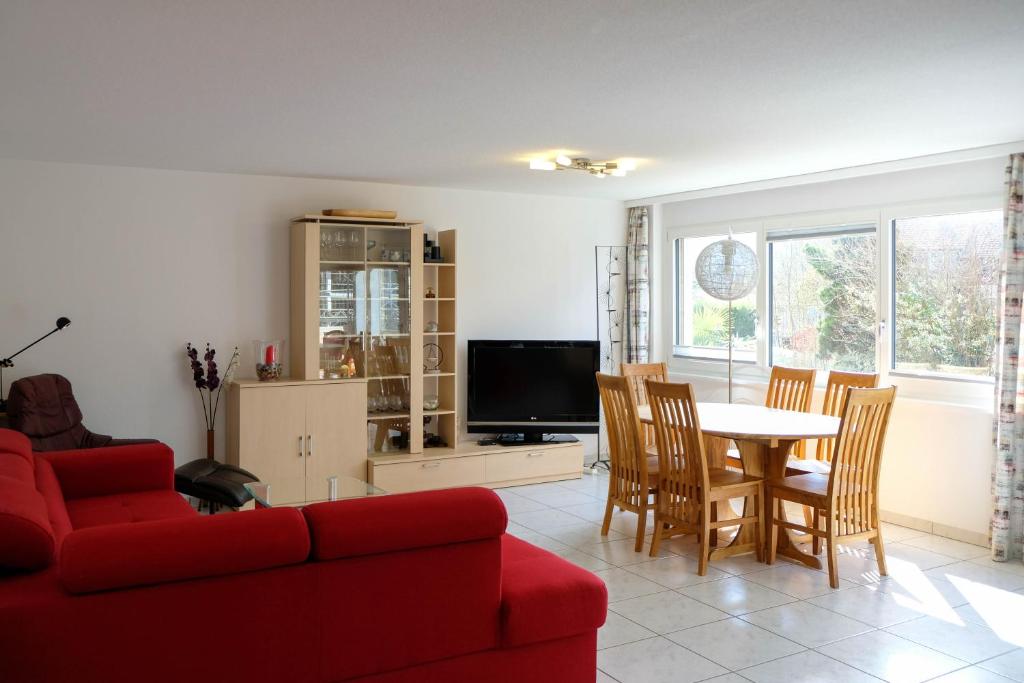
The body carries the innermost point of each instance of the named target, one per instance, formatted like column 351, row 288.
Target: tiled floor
column 945, row 612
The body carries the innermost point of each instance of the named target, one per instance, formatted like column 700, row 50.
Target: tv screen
column 533, row 386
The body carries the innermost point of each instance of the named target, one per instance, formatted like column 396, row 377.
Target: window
column 945, row 289
column 701, row 328
column 823, row 298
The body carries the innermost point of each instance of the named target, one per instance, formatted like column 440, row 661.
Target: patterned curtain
column 1008, row 471
column 638, row 300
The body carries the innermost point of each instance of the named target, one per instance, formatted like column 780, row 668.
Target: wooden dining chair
column 846, row 499
column 839, row 382
column 637, row 374
column 788, row 389
column 631, row 477
column 689, row 490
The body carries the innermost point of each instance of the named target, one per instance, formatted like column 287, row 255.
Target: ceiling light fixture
column 598, row 169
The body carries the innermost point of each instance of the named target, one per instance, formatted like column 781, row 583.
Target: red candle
column 271, row 355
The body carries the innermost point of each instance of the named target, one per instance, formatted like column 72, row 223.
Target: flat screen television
column 530, row 391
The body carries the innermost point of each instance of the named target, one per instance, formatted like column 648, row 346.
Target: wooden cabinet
column 361, row 293
column 294, row 435
column 469, row 464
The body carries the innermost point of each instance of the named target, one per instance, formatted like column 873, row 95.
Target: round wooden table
column 764, row 437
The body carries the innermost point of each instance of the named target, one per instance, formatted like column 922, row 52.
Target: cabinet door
column 271, row 433
column 336, row 433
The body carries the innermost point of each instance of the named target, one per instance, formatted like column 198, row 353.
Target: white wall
column 937, row 465
column 144, row 260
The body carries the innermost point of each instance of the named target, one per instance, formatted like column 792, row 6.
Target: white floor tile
column 891, row 658
column 591, row 512
column 736, row 595
column 918, row 557
column 583, row 534
column 796, row 580
column 559, row 497
column 675, row 572
column 542, row 541
column 514, row 503
column 1013, row 566
column 581, row 559
column 623, row 585
column 734, row 643
column 971, row 674
column 931, row 595
column 805, row 667
column 870, row 605
column 655, row 660
column 1000, row 610
column 602, row 677
column 666, row 612
column 985, row 574
column 1010, row 665
column 947, row 546
column 893, row 533
column 807, row 624
column 621, row 553
column 626, row 522
column 964, row 640
column 618, row 630
column 544, row 520
column 728, row 678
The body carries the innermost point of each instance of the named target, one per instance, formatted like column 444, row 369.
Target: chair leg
column 641, row 526
column 808, row 516
column 704, row 543
column 833, row 569
column 714, row 518
column 607, row 517
column 656, row 540
column 759, row 525
column 880, row 553
column 773, row 531
column 816, row 540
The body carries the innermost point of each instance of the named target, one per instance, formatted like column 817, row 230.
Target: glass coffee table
column 338, row 488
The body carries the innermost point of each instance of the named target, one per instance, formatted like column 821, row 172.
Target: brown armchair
column 43, row 408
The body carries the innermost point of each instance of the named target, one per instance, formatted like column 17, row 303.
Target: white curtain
column 638, row 300
column 1008, row 468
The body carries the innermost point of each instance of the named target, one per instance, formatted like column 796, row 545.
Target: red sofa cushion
column 122, row 555
column 27, row 541
column 123, row 508
column 49, row 488
column 544, row 597
column 26, row 537
column 379, row 524
column 113, row 469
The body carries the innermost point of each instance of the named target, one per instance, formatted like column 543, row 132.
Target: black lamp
column 61, row 323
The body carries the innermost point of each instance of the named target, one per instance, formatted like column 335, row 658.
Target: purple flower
column 212, row 379
column 196, row 366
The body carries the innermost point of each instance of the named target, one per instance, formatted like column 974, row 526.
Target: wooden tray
column 360, row 213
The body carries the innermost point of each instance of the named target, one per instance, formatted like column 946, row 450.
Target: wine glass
column 357, row 254
column 340, row 242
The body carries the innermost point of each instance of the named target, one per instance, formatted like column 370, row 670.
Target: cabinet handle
column 534, row 455
column 430, row 465
column 301, row 449
column 309, row 445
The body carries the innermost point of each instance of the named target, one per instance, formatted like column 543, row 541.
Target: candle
column 271, row 355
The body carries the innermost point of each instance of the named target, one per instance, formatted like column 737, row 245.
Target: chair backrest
column 839, row 383
column 791, row 389
column 682, row 465
column 857, row 459
column 43, row 407
column 628, row 462
column 638, row 373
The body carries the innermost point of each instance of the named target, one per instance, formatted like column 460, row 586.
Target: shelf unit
column 440, row 309
column 351, row 300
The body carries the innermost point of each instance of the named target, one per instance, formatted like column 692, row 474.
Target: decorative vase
column 210, row 444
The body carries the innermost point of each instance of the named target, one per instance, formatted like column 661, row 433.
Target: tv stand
column 470, row 464
column 534, row 439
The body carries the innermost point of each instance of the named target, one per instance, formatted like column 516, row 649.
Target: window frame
column 955, row 389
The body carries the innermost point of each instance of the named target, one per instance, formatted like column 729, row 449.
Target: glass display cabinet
column 364, row 303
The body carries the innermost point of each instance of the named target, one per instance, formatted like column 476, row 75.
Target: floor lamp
column 727, row 270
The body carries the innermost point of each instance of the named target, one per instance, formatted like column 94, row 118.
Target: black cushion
column 213, row 481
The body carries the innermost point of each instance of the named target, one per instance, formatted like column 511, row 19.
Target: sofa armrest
column 113, row 469
column 380, row 524
column 145, row 553
column 544, row 597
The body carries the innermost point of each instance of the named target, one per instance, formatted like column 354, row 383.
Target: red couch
column 106, row 574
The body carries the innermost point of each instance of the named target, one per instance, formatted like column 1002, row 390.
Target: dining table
column 764, row 437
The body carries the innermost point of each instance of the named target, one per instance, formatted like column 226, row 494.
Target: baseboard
column 927, row 526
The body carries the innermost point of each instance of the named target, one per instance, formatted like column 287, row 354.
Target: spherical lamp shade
column 727, row 270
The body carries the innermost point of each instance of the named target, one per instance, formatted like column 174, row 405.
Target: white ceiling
column 459, row 93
